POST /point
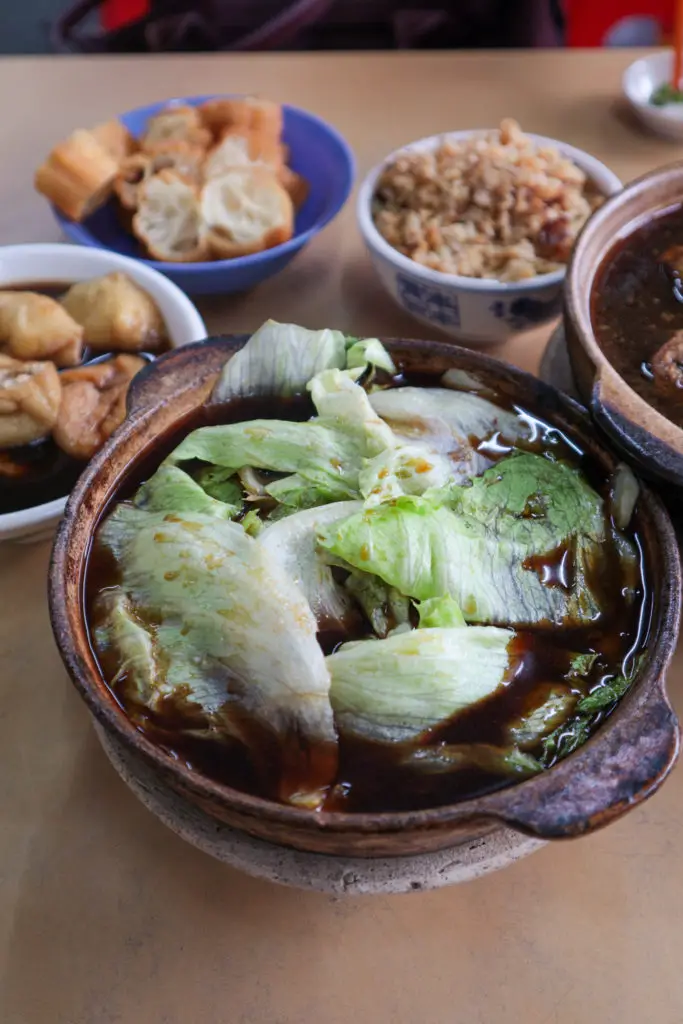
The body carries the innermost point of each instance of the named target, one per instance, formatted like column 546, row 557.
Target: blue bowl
column 317, row 152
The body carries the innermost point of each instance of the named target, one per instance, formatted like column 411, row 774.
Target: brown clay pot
column 622, row 764
column 646, row 438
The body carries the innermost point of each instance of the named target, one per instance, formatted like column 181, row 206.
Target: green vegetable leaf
column 440, row 612
column 447, row 758
column 173, row 490
column 555, row 704
column 220, row 484
column 450, row 423
column 581, row 665
column 343, row 404
column 233, row 633
column 292, row 543
column 588, row 712
column 384, row 607
column 398, row 688
column 479, row 550
column 322, row 456
column 119, row 633
column 279, row 359
column 665, row 94
column 406, row 469
column 368, row 351
column 603, row 695
column 252, row 523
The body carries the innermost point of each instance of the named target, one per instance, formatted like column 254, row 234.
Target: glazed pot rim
column 577, row 298
column 505, row 805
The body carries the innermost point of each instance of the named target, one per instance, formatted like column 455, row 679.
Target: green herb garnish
column 665, row 94
column 589, row 711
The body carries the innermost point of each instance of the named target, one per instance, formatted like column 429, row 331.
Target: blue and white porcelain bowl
column 474, row 310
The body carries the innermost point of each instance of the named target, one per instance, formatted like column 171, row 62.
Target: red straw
column 678, row 45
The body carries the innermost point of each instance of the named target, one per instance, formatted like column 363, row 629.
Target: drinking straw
column 678, row 45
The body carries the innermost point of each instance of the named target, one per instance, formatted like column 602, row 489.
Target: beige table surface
column 108, row 918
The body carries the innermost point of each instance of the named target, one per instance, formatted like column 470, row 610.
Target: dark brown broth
column 634, row 309
column 370, row 777
column 36, row 473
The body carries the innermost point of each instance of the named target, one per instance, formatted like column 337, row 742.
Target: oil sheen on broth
column 372, row 776
column 637, row 308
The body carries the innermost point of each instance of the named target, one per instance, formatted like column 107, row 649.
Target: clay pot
column 650, row 441
column 622, row 764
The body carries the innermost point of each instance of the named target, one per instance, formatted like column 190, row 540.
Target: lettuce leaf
column 398, row 688
column 233, row 632
column 343, row 404
column 440, row 612
column 529, row 496
column 447, row 758
column 120, row 634
column 173, row 490
column 279, row 359
column 550, row 712
column 322, row 457
column 405, row 469
column 220, row 484
column 292, row 543
column 384, row 607
column 450, row 423
column 319, row 455
column 477, row 551
column 362, row 352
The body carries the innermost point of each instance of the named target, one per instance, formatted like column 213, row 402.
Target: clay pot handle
column 602, row 779
column 609, row 408
column 182, row 367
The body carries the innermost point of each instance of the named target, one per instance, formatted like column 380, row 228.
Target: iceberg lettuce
column 233, row 633
column 173, row 490
column 279, row 359
column 480, row 550
column 343, row 404
column 119, row 634
column 322, row 457
column 405, row 469
column 398, row 688
column 441, row 612
column 292, row 543
column 451, row 757
column 384, row 607
column 450, row 423
column 364, row 352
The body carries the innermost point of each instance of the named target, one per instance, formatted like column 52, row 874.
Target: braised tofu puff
column 93, row 404
column 115, row 313
column 35, row 326
column 30, row 394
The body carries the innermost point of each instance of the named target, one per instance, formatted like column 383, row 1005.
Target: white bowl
column 66, row 264
column 639, row 82
column 477, row 310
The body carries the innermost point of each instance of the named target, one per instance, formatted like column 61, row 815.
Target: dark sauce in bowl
column 637, row 305
column 371, row 776
column 37, row 473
